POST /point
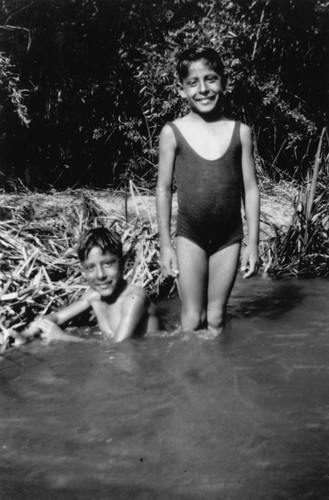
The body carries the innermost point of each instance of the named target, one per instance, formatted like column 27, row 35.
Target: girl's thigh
column 193, row 274
column 223, row 267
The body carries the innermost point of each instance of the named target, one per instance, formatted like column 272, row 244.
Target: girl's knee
column 216, row 318
column 192, row 320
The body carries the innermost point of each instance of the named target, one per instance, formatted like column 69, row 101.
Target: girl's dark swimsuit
column 209, row 194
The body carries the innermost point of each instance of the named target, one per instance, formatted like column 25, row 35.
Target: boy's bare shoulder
column 90, row 295
column 137, row 296
column 135, row 292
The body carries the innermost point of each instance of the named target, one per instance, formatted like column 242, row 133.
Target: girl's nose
column 202, row 86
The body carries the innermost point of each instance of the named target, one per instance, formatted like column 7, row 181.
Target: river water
column 177, row 416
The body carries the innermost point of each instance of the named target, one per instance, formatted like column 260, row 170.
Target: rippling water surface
column 177, row 416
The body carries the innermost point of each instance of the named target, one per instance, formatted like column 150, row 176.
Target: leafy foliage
column 101, row 80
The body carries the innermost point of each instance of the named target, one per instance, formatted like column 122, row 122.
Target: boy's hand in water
column 33, row 328
column 19, row 338
column 7, row 339
column 250, row 262
column 51, row 331
column 168, row 262
column 13, row 338
column 48, row 329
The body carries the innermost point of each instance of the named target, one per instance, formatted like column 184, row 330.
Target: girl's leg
column 223, row 267
column 192, row 283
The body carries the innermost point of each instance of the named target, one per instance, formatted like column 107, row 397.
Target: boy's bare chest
column 108, row 316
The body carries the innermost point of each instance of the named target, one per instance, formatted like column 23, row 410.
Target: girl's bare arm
column 250, row 256
column 167, row 150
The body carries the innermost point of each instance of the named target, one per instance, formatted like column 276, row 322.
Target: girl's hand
column 168, row 263
column 250, row 261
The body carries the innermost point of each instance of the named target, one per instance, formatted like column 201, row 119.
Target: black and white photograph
column 164, row 249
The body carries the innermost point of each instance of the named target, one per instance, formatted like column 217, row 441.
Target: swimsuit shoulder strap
column 182, row 144
column 175, row 129
column 236, row 134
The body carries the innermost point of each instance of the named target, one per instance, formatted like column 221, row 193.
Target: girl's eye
column 191, row 83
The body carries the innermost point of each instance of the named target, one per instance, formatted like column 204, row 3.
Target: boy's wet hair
column 196, row 53
column 101, row 237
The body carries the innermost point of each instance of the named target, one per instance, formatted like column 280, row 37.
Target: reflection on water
column 177, row 416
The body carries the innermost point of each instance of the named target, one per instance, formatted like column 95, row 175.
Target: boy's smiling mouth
column 106, row 285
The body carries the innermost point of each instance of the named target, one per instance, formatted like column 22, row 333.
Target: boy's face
column 202, row 87
column 103, row 272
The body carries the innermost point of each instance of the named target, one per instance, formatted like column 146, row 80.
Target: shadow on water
column 177, row 416
column 269, row 298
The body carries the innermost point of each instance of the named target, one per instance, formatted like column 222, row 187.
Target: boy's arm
column 134, row 308
column 71, row 311
column 51, row 331
column 250, row 255
column 48, row 325
column 167, row 149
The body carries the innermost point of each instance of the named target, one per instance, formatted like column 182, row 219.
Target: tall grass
column 303, row 250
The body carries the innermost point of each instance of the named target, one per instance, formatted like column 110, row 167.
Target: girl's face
column 202, row 87
column 103, row 272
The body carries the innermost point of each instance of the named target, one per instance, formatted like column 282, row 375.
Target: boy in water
column 212, row 159
column 122, row 310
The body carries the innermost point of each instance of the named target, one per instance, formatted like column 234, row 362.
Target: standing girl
column 212, row 160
